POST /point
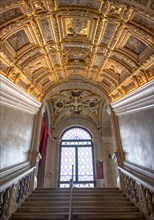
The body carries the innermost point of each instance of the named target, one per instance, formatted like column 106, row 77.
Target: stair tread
column 75, row 210
column 107, row 188
column 80, row 213
column 116, row 203
column 83, row 207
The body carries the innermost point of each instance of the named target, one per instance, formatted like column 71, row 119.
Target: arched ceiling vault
column 107, row 44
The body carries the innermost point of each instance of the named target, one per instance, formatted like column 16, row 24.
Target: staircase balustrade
column 15, row 191
column 139, row 192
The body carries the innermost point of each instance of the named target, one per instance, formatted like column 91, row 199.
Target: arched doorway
column 76, row 148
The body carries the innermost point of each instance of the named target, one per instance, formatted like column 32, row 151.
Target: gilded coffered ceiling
column 104, row 43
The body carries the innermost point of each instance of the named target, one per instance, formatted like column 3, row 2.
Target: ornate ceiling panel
column 107, row 44
column 76, row 102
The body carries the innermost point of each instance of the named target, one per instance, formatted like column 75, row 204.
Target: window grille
column 76, row 148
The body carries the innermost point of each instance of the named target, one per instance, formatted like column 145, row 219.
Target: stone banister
column 14, row 190
column 139, row 191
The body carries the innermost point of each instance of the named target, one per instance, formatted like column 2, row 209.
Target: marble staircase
column 88, row 204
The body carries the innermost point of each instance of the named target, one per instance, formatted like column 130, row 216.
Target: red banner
column 99, row 170
column 43, row 138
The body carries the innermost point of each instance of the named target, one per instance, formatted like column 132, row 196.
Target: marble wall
column 134, row 120
column 137, row 137
column 16, row 135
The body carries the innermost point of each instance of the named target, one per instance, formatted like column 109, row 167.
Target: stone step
column 78, row 208
column 84, row 189
column 78, row 190
column 126, row 215
column 81, row 216
column 82, row 203
column 43, row 216
column 79, row 198
column 77, row 194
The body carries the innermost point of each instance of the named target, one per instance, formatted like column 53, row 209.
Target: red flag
column 43, row 138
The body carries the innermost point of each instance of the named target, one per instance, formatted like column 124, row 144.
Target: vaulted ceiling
column 107, row 45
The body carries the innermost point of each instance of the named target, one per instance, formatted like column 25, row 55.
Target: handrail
column 15, row 179
column 139, row 180
column 71, row 193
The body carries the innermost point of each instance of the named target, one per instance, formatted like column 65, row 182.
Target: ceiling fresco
column 76, row 102
column 105, row 43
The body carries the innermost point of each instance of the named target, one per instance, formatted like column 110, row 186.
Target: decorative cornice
column 14, row 97
column 140, row 99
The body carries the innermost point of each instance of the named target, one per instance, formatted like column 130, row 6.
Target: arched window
column 76, row 148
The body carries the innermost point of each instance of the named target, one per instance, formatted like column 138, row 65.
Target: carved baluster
column 152, row 201
column 145, row 205
column 24, row 187
column 5, row 203
column 141, row 203
column 134, row 199
column 28, row 183
column 149, row 203
column 16, row 194
column 1, row 202
column 32, row 181
column 20, row 192
column 129, row 187
column 137, row 187
column 11, row 203
column 124, row 183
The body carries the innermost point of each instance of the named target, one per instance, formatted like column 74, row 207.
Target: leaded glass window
column 76, row 134
column 76, row 149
